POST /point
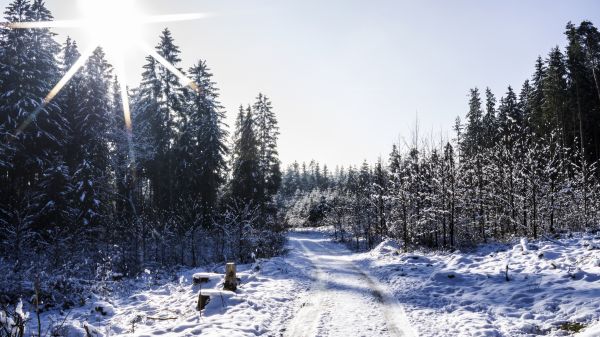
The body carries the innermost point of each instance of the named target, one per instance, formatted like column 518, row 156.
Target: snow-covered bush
column 13, row 322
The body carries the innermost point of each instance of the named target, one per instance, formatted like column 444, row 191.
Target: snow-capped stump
column 524, row 246
column 104, row 308
column 217, row 292
column 200, row 278
column 231, row 280
column 203, row 301
column 207, row 296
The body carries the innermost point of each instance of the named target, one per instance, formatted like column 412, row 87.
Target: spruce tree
column 556, row 97
column 35, row 129
column 209, row 149
column 92, row 125
column 267, row 132
column 245, row 186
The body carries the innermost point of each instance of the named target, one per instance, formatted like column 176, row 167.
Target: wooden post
column 230, row 277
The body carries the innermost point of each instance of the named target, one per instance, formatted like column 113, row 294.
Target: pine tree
column 162, row 104
column 245, row 185
column 541, row 124
column 474, row 129
column 267, row 132
column 380, row 187
column 35, row 129
column 209, row 149
column 489, row 124
column 556, row 98
column 122, row 156
column 92, row 125
column 584, row 97
column 70, row 102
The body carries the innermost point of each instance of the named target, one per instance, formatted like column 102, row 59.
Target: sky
column 349, row 78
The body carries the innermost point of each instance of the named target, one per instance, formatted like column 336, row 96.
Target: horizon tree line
column 524, row 165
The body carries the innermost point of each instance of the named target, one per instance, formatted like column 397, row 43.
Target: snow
column 592, row 331
column 320, row 288
column 103, row 308
column 386, row 247
column 466, row 294
column 207, row 276
column 19, row 311
column 260, row 305
column 343, row 300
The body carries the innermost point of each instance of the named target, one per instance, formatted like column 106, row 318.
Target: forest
column 524, row 165
column 85, row 196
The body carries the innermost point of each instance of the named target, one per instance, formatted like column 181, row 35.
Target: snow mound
column 70, row 330
column 386, row 247
column 103, row 308
column 592, row 331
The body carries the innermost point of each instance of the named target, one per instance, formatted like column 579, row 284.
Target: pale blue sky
column 347, row 77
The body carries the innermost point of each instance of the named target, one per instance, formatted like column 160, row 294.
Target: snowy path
column 343, row 300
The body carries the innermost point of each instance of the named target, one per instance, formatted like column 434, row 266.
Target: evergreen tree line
column 85, row 192
column 523, row 165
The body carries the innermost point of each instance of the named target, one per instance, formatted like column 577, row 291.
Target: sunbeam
column 43, row 24
column 183, row 79
column 176, row 17
column 120, row 67
column 69, row 75
column 58, row 87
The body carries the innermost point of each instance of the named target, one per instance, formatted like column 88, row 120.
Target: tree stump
column 201, row 278
column 202, row 301
column 230, row 277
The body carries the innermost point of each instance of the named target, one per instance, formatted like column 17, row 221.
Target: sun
column 115, row 25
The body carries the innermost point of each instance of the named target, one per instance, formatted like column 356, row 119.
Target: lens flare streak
column 124, row 97
column 98, row 25
column 69, row 75
column 176, row 17
column 58, row 88
column 42, row 24
column 182, row 77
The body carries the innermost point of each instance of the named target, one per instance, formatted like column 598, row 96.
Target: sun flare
column 116, row 25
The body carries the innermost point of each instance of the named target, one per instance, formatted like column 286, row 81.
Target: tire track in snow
column 309, row 318
column 344, row 300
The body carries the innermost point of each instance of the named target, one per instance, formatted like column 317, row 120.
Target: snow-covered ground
column 553, row 287
column 261, row 306
column 322, row 289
